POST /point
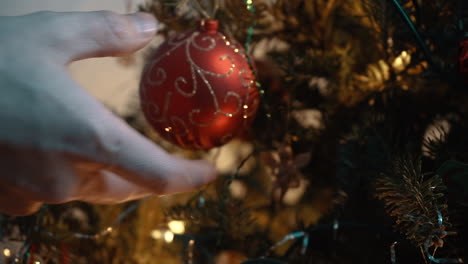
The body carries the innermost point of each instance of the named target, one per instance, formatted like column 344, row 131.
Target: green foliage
column 416, row 200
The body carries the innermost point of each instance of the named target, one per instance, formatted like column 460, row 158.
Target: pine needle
column 416, row 200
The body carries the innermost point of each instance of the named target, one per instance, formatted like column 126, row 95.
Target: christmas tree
column 357, row 154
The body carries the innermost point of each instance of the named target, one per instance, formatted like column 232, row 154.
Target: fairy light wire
column 293, row 236
column 248, row 41
column 439, row 260
column 427, row 244
column 393, row 252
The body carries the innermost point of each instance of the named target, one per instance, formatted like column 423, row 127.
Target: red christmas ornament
column 198, row 90
column 463, row 60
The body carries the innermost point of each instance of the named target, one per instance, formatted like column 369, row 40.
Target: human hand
column 57, row 143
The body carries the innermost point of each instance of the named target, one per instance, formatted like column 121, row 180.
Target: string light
column 336, row 225
column 250, row 31
column 201, row 201
column 190, row 251
column 168, row 236
column 417, row 35
column 7, row 252
column 400, row 62
column 176, row 226
column 440, row 219
column 156, row 234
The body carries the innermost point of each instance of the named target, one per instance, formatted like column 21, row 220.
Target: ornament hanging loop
column 207, row 15
column 216, row 6
column 199, row 8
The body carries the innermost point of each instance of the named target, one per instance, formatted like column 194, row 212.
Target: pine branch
column 229, row 217
column 416, row 200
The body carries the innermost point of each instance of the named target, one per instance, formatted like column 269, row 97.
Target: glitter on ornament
column 198, row 89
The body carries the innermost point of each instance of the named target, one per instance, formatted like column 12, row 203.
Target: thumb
column 80, row 35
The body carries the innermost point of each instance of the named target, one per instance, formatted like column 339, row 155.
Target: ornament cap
column 209, row 26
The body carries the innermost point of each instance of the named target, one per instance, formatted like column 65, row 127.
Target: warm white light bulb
column 177, row 227
column 7, row 252
column 168, row 236
column 156, row 234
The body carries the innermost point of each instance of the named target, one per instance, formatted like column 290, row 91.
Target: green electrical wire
column 416, row 34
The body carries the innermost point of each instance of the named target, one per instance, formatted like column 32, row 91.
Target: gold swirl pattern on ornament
column 196, row 69
column 180, row 90
column 160, row 76
column 199, row 44
column 215, row 101
column 244, row 81
column 211, row 42
column 191, row 41
column 197, row 111
column 254, row 105
column 221, row 75
column 174, row 45
column 194, row 78
column 239, row 100
column 166, row 106
column 250, row 111
column 156, row 112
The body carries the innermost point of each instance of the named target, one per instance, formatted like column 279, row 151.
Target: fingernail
column 145, row 23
